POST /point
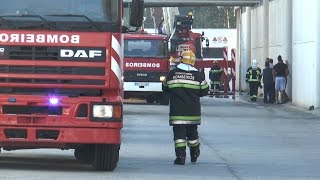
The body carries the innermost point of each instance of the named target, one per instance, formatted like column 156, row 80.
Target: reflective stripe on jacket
column 253, row 75
column 185, row 89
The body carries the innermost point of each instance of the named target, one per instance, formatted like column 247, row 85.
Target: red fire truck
column 183, row 39
column 61, row 76
column 146, row 64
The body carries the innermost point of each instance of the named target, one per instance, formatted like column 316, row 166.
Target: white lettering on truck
column 80, row 53
column 148, row 65
column 39, row 38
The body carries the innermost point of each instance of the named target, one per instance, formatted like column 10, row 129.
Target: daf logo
column 68, row 53
column 142, row 74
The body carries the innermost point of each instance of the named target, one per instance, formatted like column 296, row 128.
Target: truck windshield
column 77, row 15
column 145, row 48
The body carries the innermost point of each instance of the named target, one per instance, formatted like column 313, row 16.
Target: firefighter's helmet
column 254, row 63
column 215, row 62
column 188, row 57
column 190, row 13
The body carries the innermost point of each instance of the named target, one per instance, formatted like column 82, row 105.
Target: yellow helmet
column 190, row 13
column 188, row 57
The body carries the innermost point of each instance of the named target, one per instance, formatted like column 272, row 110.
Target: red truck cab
column 146, row 64
column 61, row 77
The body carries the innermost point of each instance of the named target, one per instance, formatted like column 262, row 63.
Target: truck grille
column 36, row 65
column 55, row 110
column 33, row 53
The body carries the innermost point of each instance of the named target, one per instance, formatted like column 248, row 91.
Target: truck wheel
column 164, row 99
column 84, row 154
column 106, row 157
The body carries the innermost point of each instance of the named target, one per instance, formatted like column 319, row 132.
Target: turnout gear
column 185, row 86
column 194, row 153
column 215, row 74
column 188, row 57
column 253, row 77
column 180, row 160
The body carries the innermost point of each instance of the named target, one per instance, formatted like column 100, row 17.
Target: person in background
column 215, row 74
column 280, row 72
column 253, row 77
column 271, row 63
column 185, row 85
column 267, row 79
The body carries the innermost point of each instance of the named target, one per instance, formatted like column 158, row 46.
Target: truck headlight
column 162, row 78
column 102, row 111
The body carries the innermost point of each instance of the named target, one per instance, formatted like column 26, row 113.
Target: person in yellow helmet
column 189, row 20
column 185, row 85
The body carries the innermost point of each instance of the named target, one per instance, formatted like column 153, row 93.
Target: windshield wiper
column 7, row 22
column 28, row 15
column 80, row 16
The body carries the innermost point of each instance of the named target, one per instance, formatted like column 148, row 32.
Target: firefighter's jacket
column 215, row 73
column 253, row 75
column 185, row 86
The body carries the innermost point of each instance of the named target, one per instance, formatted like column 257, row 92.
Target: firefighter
column 253, row 77
column 189, row 20
column 185, row 85
column 215, row 77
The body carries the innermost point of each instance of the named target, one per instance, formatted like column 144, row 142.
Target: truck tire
column 164, row 99
column 106, row 157
column 84, row 154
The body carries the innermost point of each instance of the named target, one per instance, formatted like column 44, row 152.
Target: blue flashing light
column 12, row 99
column 54, row 101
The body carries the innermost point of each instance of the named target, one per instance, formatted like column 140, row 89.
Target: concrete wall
column 257, row 35
column 288, row 28
column 245, row 46
column 306, row 53
column 280, row 34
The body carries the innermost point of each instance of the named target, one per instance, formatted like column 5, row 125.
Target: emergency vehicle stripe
column 225, row 53
column 116, row 68
column 117, row 59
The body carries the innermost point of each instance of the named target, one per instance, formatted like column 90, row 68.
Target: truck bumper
column 46, row 137
column 143, row 86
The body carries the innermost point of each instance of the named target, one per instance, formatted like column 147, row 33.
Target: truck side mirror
column 136, row 14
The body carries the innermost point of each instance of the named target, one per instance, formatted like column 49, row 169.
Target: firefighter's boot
column 194, row 153
column 180, row 160
column 181, row 155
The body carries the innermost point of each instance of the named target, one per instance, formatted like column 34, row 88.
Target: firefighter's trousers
column 215, row 86
column 186, row 135
column 254, row 86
